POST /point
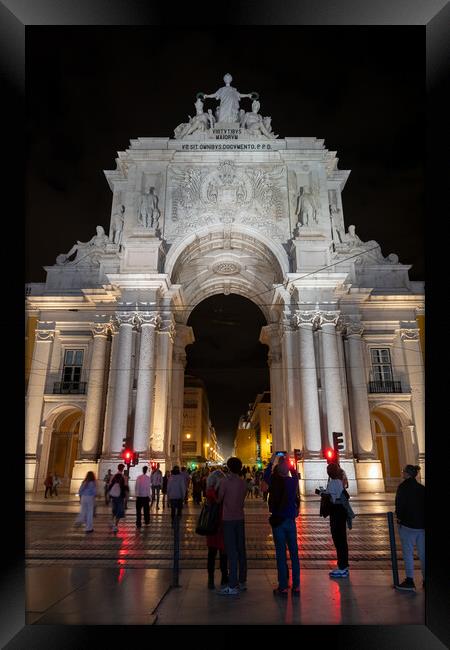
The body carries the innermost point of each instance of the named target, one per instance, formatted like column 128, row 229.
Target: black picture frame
column 15, row 17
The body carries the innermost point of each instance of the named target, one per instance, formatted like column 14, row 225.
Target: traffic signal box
column 338, row 441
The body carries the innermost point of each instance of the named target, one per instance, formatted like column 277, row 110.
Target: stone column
column 270, row 336
column 358, row 393
column 184, row 336
column 92, row 418
column 291, row 393
column 414, row 366
column 114, row 329
column 161, row 424
column 146, row 381
column 123, row 378
column 333, row 394
column 45, row 332
column 308, row 382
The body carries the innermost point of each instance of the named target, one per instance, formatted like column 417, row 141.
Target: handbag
column 208, row 519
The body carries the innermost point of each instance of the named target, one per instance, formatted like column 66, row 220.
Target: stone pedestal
column 312, row 250
column 80, row 469
column 314, row 474
column 369, row 476
column 141, row 252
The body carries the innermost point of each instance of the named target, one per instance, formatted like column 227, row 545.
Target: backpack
column 115, row 490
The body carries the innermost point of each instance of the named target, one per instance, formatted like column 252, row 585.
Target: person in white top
column 156, row 481
column 142, row 490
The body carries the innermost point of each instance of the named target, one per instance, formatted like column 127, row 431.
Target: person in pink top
column 231, row 493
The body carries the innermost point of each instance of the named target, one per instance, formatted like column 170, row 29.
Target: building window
column 381, row 365
column 73, row 363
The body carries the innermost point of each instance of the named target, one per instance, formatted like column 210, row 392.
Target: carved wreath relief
column 227, row 193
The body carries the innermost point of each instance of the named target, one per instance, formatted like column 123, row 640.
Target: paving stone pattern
column 52, row 539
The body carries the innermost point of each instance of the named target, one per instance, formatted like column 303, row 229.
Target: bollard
column 176, row 550
column 390, row 517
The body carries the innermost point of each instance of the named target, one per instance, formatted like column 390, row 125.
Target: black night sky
column 90, row 90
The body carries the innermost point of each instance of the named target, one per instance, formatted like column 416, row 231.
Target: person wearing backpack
column 117, row 494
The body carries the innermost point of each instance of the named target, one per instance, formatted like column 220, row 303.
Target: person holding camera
column 284, row 503
column 340, row 516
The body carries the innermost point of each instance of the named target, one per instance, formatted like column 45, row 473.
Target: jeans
column 338, row 527
column 87, row 511
column 157, row 489
column 286, row 534
column 234, row 536
column 212, row 552
column 142, row 503
column 410, row 537
column 176, row 507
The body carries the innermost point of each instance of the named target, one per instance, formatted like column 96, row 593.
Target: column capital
column 100, row 329
column 147, row 318
column 409, row 334
column 167, row 326
column 125, row 318
column 353, row 327
column 329, row 318
column 307, row 318
column 45, row 330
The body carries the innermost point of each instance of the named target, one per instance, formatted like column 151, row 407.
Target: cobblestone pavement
column 52, row 539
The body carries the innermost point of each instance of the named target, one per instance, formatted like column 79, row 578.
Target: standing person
column 156, row 481
column 126, row 478
column 284, row 502
column 55, row 482
column 142, row 491
column 87, row 493
column 216, row 542
column 164, row 488
column 117, row 494
column 339, row 515
column 232, row 493
column 176, row 491
column 410, row 512
column 187, row 479
column 196, row 487
column 107, row 480
column 48, row 485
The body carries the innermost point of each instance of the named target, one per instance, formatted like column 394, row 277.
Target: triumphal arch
column 226, row 206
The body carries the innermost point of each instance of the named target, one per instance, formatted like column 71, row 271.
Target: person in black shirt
column 410, row 512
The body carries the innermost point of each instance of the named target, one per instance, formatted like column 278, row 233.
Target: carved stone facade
column 227, row 209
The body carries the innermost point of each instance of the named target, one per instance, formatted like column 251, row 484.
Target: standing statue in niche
column 149, row 212
column 336, row 232
column 97, row 244
column 306, row 209
column 117, row 224
column 229, row 101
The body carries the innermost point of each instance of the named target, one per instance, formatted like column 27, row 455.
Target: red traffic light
column 330, row 455
column 127, row 455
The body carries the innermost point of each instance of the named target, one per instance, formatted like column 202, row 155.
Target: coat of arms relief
column 227, row 193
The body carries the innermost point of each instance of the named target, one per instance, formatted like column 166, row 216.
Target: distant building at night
column 198, row 439
column 253, row 440
column 225, row 207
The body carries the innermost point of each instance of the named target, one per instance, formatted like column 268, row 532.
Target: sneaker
column 229, row 591
column 242, row 586
column 280, row 592
column 91, row 530
column 339, row 573
column 114, row 528
column 406, row 585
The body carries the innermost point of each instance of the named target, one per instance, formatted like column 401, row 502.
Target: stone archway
column 389, row 426
column 226, row 259
column 60, row 444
